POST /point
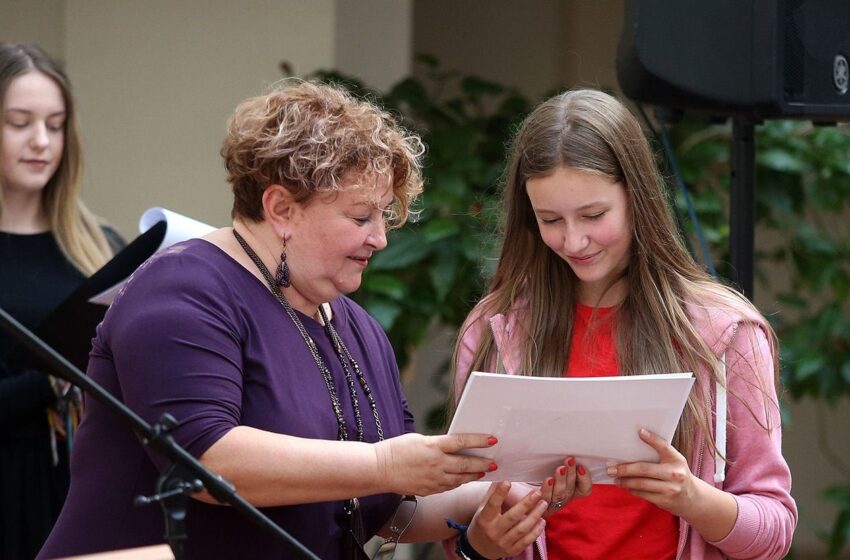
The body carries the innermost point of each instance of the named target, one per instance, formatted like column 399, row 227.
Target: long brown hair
column 75, row 228
column 591, row 131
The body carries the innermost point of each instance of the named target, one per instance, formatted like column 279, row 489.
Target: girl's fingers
column 560, row 488
column 524, row 531
column 665, row 450
column 494, row 498
column 584, row 484
column 647, row 485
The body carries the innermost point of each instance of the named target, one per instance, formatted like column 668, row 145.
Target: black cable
column 670, row 157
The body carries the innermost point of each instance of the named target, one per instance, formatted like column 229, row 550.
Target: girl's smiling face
column 583, row 217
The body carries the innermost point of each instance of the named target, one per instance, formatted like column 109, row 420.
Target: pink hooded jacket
column 756, row 474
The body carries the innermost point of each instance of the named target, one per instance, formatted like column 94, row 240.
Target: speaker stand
column 742, row 203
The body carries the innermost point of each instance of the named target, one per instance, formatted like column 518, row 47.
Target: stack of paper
column 540, row 421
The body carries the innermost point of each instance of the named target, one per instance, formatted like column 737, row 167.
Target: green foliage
column 803, row 202
column 434, row 267
column 840, row 496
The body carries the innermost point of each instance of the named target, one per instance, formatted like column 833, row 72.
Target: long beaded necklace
column 342, row 352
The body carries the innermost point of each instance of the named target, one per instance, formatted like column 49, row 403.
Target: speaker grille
column 816, row 31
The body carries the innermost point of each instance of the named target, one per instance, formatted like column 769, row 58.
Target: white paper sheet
column 540, row 421
column 178, row 228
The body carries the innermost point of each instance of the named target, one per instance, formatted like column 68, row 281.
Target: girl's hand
column 569, row 482
column 495, row 533
column 668, row 484
column 672, row 486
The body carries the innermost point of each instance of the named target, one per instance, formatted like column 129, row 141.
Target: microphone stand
column 186, row 475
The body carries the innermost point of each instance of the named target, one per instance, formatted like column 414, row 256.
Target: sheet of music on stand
column 539, row 421
column 178, row 228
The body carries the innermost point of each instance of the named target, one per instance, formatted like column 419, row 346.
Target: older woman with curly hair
column 280, row 383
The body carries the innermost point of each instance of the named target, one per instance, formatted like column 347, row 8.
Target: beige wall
column 513, row 43
column 374, row 40
column 156, row 81
column 534, row 46
column 589, row 42
column 28, row 21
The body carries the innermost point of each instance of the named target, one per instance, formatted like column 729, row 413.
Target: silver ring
column 557, row 504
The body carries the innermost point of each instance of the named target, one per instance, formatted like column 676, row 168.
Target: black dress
column 35, row 277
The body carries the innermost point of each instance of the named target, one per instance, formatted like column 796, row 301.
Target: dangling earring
column 281, row 276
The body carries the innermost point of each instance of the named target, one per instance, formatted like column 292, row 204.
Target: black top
column 35, row 277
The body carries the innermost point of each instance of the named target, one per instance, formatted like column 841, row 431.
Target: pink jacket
column 757, row 475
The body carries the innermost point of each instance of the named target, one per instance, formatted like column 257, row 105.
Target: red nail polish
column 492, row 441
column 563, row 471
column 571, row 461
column 492, row 467
column 481, row 475
column 550, row 481
column 581, row 470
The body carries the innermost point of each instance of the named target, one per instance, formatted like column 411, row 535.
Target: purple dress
column 196, row 335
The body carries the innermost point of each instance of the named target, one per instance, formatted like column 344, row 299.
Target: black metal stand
column 173, row 489
column 173, row 493
column 742, row 203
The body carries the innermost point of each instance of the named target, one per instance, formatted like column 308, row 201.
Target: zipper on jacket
column 538, row 550
column 683, row 535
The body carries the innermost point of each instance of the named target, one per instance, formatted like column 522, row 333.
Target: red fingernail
column 581, row 470
column 563, row 471
column 550, row 481
column 492, row 441
column 492, row 467
column 481, row 475
column 571, row 461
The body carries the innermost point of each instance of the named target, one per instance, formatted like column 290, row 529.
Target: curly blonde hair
column 310, row 138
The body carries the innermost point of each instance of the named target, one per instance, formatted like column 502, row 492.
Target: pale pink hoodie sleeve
column 470, row 334
column 757, row 474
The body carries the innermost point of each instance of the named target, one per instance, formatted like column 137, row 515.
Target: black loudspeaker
column 760, row 58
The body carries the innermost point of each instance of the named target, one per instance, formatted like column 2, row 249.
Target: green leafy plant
column 802, row 204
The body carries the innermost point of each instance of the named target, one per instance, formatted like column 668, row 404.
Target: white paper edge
column 177, row 228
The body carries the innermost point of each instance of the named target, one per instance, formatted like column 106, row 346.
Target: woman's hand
column 672, row 486
column 423, row 465
column 497, row 530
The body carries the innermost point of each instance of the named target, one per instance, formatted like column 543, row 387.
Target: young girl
column 593, row 279
column 49, row 242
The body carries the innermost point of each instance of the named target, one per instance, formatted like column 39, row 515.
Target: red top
column 610, row 523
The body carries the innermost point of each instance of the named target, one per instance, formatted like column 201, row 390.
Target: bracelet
column 463, row 549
